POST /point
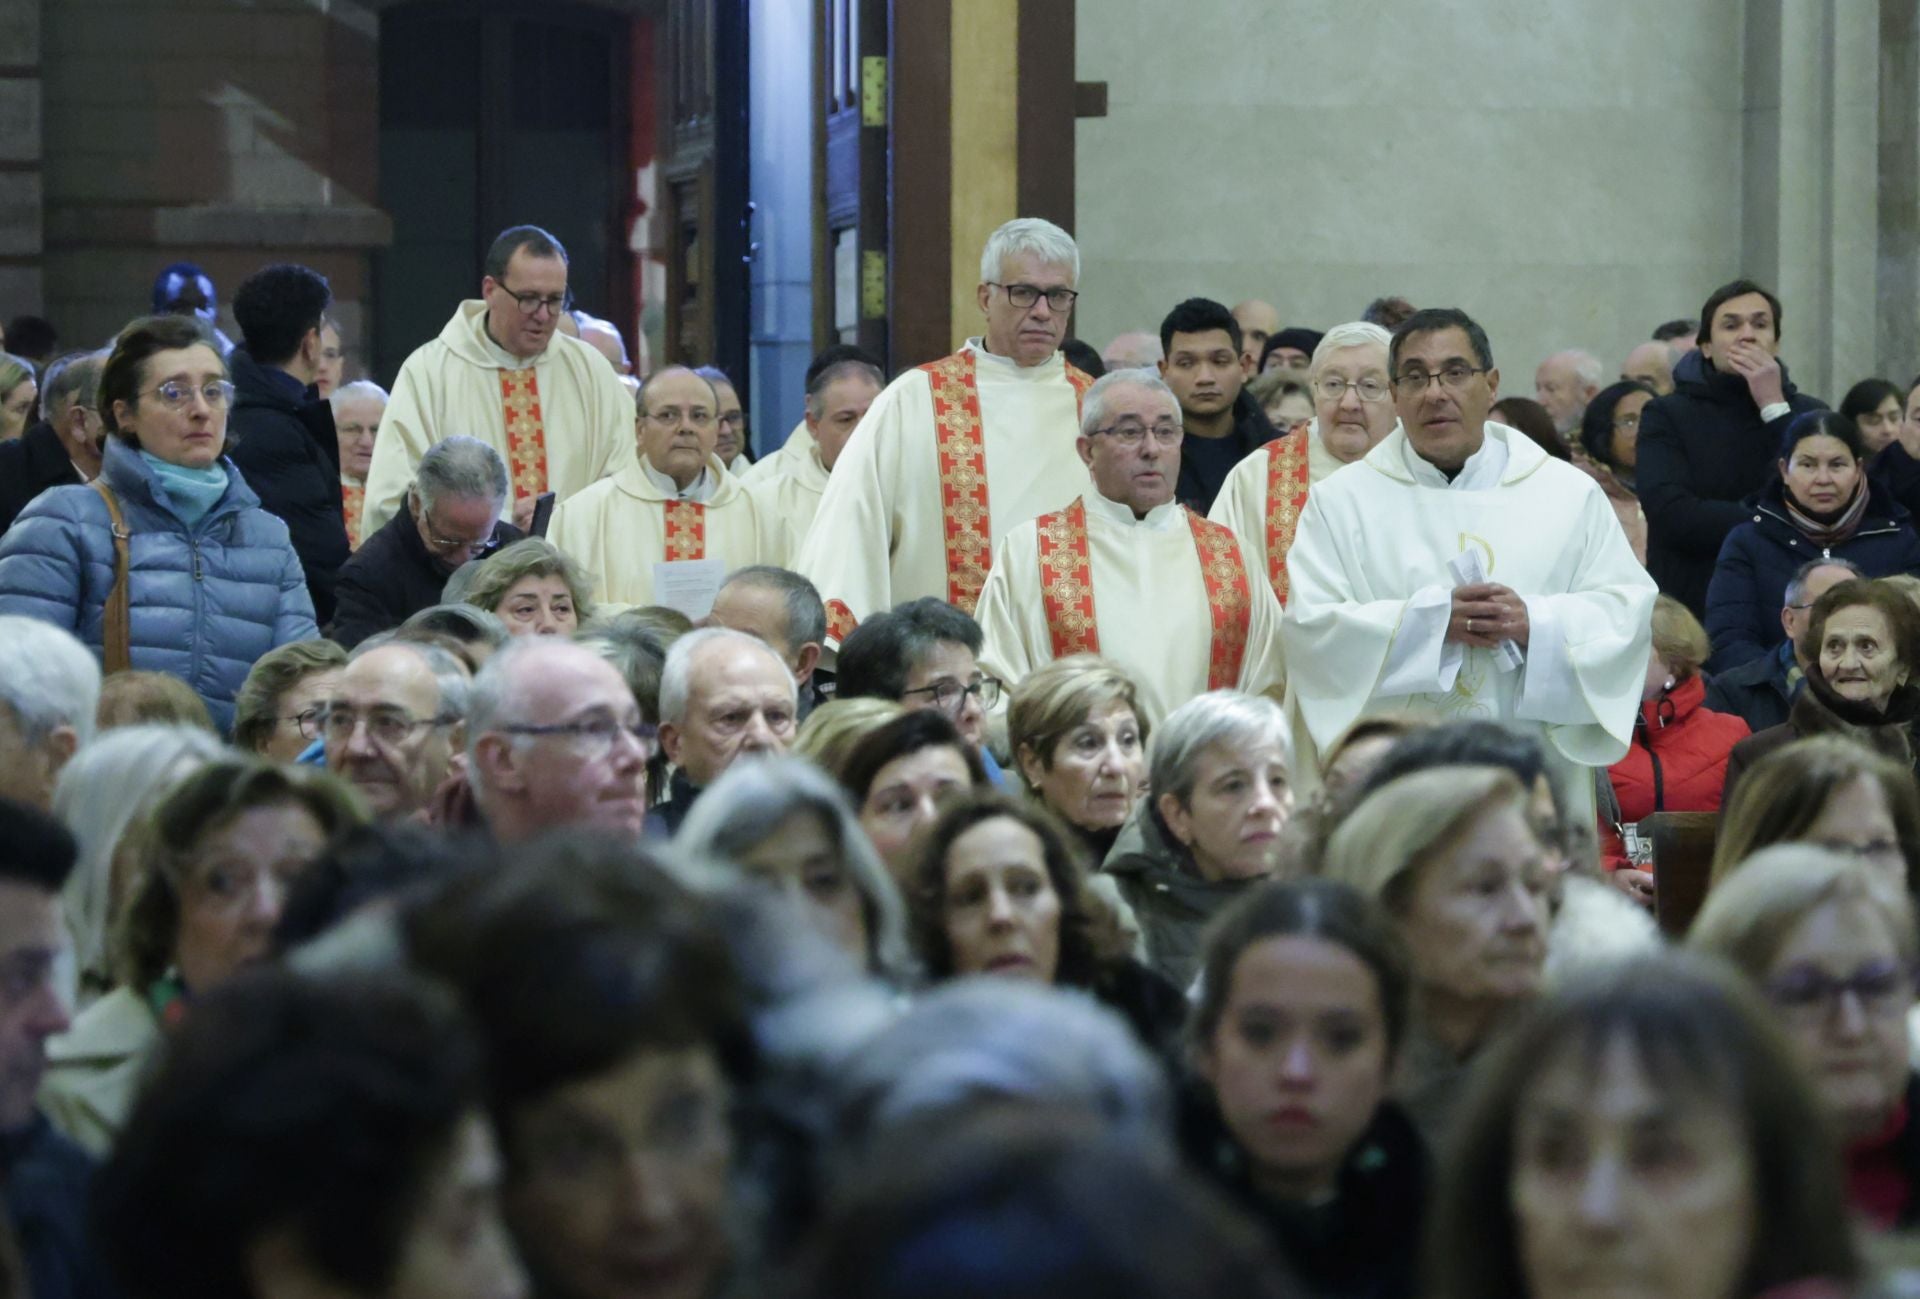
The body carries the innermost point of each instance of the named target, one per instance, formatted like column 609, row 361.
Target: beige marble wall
column 1570, row 172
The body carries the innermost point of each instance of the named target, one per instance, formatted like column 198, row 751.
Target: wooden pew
column 1682, row 863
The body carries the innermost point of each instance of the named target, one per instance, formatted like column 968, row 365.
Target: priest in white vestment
column 958, row 452
column 675, row 505
column 1353, row 412
column 1126, row 572
column 789, row 496
column 500, row 371
column 1460, row 571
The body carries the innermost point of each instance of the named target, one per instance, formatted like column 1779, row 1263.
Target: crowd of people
column 1175, row 820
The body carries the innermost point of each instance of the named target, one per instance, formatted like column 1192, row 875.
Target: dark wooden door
column 850, row 163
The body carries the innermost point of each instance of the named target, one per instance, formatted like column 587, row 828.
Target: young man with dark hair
column 47, row 1177
column 1207, row 372
column 281, row 435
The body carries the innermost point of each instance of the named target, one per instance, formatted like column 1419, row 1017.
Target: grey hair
column 1003, row 1040
column 806, row 612
column 47, row 678
column 449, row 674
column 346, row 392
column 1355, row 333
column 1585, row 365
column 1032, row 235
column 679, row 667
column 746, row 806
column 107, row 786
column 817, row 390
column 1218, row 717
column 71, row 380
column 464, row 622
column 1796, row 592
column 461, row 466
column 1093, row 408
column 493, row 689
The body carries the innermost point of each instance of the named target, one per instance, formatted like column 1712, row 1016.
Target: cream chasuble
column 1093, row 578
column 1371, row 598
column 620, row 528
column 797, row 446
column 936, row 474
column 1263, row 496
column 560, row 421
column 789, row 499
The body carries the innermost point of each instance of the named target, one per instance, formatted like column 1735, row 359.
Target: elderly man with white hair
column 1127, row 572
column 1353, row 412
column 955, row 454
column 723, row 696
column 555, row 739
column 1564, row 383
column 358, row 408
column 49, row 690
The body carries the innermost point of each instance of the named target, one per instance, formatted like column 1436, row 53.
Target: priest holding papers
column 1458, row 570
column 1125, row 572
column 669, row 528
column 956, row 453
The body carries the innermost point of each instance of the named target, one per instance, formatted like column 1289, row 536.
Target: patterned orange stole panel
column 526, row 432
column 353, row 501
column 1081, row 381
column 1229, row 599
column 1286, row 498
column 686, row 530
column 840, row 620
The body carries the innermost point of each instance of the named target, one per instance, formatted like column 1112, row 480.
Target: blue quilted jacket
column 205, row 602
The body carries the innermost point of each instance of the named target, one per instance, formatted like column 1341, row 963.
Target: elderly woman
column 1218, row 797
column 1648, row 1132
column 1861, row 646
column 535, row 588
column 1823, row 505
column 166, row 561
column 1074, row 728
column 1830, row 792
column 1284, row 399
column 785, row 822
column 277, row 712
column 1610, row 439
column 1452, row 856
column 357, row 410
column 1302, row 1015
column 1830, row 942
column 133, row 697
column 902, row 775
column 220, row 852
column 1001, row 889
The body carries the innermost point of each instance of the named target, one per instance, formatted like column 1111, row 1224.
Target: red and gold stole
column 526, row 432
column 1066, row 590
column 686, row 530
column 961, row 446
column 1286, row 497
column 840, row 620
column 353, row 502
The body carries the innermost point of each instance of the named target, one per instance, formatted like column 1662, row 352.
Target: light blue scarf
column 189, row 493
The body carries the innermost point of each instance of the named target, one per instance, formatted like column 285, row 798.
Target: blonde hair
column 1906, row 584
column 833, row 730
column 132, row 698
column 494, row 576
column 1783, row 795
column 1678, row 638
column 1750, row 916
column 14, row 371
column 1051, row 700
column 1399, row 826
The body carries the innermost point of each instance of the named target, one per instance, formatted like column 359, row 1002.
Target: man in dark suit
column 64, row 447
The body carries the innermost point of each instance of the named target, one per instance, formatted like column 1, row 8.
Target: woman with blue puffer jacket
column 213, row 582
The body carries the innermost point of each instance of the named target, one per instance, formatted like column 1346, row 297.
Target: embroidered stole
column 1066, row 590
column 1286, row 498
column 961, row 447
column 686, row 530
column 353, row 502
column 526, row 432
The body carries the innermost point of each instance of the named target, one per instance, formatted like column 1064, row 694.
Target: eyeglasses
column 594, row 737
column 1131, row 433
column 1626, row 422
column 950, row 696
column 388, row 726
column 451, row 544
column 736, row 421
column 531, row 303
column 1453, row 378
column 1883, row 988
column 1025, row 295
column 697, row 418
column 175, row 395
column 308, row 720
column 1332, row 388
column 1874, row 850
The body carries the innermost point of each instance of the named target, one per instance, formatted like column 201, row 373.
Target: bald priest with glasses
column 1457, row 570
column 1125, row 571
column 502, row 371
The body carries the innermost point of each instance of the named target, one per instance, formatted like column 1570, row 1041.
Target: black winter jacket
column 1703, row 450
column 28, row 466
column 47, row 1179
column 392, row 577
column 289, row 454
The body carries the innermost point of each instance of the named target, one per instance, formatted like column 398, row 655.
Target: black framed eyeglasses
column 1453, row 378
column 531, row 303
column 594, row 735
column 950, row 696
column 307, row 720
column 1025, row 295
column 388, row 726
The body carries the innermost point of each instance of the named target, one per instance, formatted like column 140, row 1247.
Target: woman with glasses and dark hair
column 167, row 557
column 1830, row 943
column 924, row 654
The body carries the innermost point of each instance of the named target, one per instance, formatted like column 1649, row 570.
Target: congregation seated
column 923, row 654
column 1824, row 504
column 1762, row 691
column 1075, row 732
column 534, row 587
column 391, row 723
column 724, row 696
column 829, row 735
column 1829, row 792
column 901, row 775
column 132, row 698
column 1608, row 449
column 279, row 709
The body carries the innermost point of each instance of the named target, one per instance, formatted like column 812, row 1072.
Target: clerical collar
column 500, row 356
column 1158, row 519
column 699, row 490
column 1481, row 472
column 983, row 357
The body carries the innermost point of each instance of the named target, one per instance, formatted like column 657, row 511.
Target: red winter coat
column 1678, row 762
